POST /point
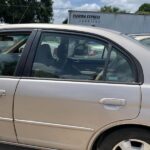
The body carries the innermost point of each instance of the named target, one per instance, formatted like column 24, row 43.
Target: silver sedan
column 73, row 88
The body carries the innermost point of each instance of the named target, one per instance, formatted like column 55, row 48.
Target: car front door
column 12, row 44
column 75, row 85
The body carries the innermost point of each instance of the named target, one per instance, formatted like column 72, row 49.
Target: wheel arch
column 101, row 134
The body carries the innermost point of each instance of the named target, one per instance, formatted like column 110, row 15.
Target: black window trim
column 21, row 63
column 28, row 67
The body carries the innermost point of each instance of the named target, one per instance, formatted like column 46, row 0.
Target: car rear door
column 12, row 44
column 61, row 105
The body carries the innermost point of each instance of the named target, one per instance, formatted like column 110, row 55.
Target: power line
column 33, row 6
column 24, row 13
column 63, row 8
column 13, row 5
column 25, row 6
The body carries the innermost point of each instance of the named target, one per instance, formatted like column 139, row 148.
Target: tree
column 26, row 11
column 144, row 9
column 110, row 9
column 44, row 11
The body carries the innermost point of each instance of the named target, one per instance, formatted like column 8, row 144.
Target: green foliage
column 144, row 9
column 26, row 11
column 110, row 9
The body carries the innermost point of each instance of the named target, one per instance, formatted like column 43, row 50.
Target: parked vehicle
column 73, row 88
column 142, row 38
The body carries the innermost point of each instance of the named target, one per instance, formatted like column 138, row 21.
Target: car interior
column 78, row 58
column 72, row 59
column 11, row 47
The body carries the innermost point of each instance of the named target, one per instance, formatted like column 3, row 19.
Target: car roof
column 76, row 28
column 112, row 35
column 54, row 26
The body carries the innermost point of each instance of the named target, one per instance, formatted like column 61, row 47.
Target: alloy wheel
column 132, row 144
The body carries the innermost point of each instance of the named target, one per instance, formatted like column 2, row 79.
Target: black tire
column 115, row 137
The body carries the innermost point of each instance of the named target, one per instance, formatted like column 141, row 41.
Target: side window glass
column 119, row 68
column 69, row 57
column 11, row 47
column 87, row 49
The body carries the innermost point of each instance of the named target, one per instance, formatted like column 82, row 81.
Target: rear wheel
column 126, row 139
column 132, row 144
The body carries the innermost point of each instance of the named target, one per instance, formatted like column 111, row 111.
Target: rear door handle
column 2, row 93
column 113, row 102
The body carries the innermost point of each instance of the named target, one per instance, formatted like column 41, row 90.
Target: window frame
column 21, row 62
column 136, row 65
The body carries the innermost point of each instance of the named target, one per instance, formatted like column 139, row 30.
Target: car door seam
column 13, row 111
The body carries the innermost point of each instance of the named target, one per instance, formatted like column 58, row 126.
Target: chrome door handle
column 113, row 102
column 2, row 93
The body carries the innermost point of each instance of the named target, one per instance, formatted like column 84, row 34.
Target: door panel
column 64, row 114
column 8, row 86
column 11, row 46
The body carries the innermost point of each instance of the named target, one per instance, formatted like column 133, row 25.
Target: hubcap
column 132, row 144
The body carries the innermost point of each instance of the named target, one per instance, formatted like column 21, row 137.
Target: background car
column 142, row 38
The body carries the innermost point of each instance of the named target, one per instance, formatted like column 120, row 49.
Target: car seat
column 44, row 55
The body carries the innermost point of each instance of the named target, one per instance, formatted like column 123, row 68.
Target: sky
column 61, row 7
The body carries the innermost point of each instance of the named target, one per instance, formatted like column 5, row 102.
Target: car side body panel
column 65, row 114
column 143, row 119
column 7, row 90
column 71, row 114
column 8, row 85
